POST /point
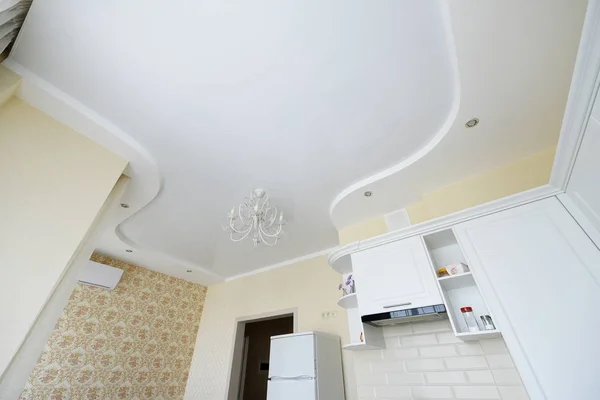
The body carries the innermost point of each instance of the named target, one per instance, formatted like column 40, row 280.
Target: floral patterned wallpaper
column 133, row 342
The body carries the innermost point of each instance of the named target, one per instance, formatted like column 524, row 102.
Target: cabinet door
column 583, row 189
column 539, row 273
column 394, row 276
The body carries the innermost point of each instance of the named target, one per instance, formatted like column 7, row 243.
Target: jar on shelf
column 470, row 319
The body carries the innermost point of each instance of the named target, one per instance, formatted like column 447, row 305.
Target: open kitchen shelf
column 457, row 290
column 372, row 337
column 457, row 281
column 466, row 336
column 348, row 301
column 360, row 347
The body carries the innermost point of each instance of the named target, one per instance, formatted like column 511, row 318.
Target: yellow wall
column 53, row 183
column 494, row 184
column 310, row 286
column 142, row 332
column 522, row 175
column 372, row 227
column 9, row 83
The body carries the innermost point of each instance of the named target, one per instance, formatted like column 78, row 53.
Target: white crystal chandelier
column 255, row 215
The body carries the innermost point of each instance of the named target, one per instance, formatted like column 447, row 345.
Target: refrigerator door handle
column 292, row 378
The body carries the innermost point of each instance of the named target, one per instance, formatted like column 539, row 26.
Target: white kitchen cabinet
column 394, row 276
column 540, row 274
column 583, row 191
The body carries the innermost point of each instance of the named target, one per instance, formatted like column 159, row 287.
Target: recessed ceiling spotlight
column 124, row 205
column 188, row 270
column 368, row 193
column 129, row 250
column 473, row 122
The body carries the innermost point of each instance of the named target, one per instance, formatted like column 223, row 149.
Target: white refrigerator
column 305, row 366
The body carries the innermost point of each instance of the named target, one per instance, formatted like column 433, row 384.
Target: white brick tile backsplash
column 401, row 353
column 438, row 351
column 434, row 326
column 366, row 356
column 466, row 362
column 365, row 391
column 418, row 340
column 494, row 346
column 447, row 337
column 392, row 342
column 432, row 392
column 446, row 377
column 388, row 366
column 469, row 349
column 506, row 377
column 426, row 361
column 392, row 392
column 480, row 377
column 398, row 330
column 405, row 378
column 476, row 392
column 498, row 361
column 426, row 364
column 513, row 393
column 362, row 367
column 371, row 379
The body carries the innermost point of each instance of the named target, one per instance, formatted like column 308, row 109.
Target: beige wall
column 494, row 184
column 373, row 227
column 309, row 286
column 53, row 183
column 135, row 341
column 9, row 83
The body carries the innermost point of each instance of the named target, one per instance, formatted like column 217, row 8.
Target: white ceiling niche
column 515, row 61
column 302, row 98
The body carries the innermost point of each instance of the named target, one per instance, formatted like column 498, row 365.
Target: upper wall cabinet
column 541, row 275
column 394, row 276
column 584, row 184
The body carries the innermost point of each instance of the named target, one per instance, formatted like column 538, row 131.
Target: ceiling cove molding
column 443, row 131
column 583, row 91
column 339, row 258
column 282, row 264
column 146, row 179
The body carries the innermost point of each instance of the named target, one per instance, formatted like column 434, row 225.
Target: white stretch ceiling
column 313, row 101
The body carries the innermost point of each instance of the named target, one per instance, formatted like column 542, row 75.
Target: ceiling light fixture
column 473, row 122
column 368, row 193
column 255, row 215
column 124, row 205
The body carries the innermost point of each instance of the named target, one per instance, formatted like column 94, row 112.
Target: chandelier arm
column 233, row 228
column 272, row 216
column 241, row 216
column 271, row 235
column 265, row 240
column 233, row 239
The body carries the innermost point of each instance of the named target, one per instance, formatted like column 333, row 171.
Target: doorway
column 250, row 363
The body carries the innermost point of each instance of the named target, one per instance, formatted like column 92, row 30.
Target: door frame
column 237, row 355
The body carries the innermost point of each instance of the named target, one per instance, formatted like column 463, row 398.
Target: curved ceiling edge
column 146, row 182
column 445, row 128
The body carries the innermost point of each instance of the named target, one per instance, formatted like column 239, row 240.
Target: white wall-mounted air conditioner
column 100, row 275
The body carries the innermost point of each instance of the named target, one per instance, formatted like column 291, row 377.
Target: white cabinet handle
column 398, row 305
